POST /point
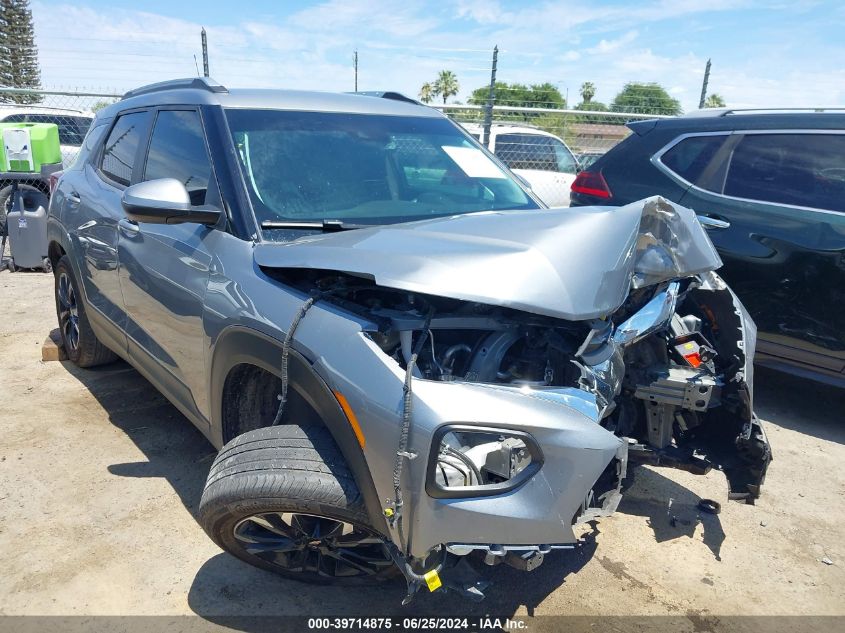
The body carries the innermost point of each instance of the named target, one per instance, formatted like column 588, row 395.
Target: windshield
column 364, row 169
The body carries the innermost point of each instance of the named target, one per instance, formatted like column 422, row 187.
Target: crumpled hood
column 574, row 263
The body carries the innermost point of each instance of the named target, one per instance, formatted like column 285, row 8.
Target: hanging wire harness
column 283, row 395
column 394, row 514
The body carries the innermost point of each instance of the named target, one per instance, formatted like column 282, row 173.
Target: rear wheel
column 282, row 498
column 78, row 339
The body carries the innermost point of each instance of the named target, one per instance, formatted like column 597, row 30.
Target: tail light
column 591, row 183
column 54, row 180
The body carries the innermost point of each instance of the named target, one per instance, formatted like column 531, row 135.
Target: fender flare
column 238, row 345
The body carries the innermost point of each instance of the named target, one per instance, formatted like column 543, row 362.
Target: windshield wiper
column 326, row 226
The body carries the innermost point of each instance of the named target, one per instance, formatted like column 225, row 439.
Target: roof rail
column 395, row 96
column 720, row 112
column 195, row 83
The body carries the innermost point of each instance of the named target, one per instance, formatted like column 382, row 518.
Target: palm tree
column 446, row 85
column 714, row 101
column 588, row 91
column 427, row 92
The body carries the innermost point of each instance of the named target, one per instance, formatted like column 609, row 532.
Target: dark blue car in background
column 772, row 184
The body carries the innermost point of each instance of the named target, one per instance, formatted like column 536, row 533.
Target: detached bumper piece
column 743, row 457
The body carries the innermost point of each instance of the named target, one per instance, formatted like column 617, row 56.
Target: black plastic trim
column 224, row 160
column 488, row 490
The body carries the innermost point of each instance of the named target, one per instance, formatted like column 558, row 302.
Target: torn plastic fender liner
column 575, row 264
column 737, row 442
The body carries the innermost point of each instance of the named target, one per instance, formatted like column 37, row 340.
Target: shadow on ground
column 225, row 587
column 174, row 449
column 799, row 405
column 671, row 510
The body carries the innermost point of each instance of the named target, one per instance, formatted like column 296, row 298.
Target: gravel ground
column 100, row 478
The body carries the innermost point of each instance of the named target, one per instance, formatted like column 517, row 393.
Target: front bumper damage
column 628, row 397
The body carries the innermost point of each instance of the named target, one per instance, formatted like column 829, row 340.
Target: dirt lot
column 100, row 479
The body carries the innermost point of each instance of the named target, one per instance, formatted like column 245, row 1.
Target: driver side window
column 177, row 150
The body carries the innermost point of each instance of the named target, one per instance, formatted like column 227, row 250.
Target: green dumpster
column 25, row 147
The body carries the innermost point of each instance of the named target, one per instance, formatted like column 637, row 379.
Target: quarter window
column 177, row 150
column 805, row 170
column 121, row 146
column 689, row 158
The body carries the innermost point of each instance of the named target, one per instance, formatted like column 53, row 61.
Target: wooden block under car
column 52, row 348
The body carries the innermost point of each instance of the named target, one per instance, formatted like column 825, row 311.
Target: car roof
column 728, row 119
column 508, row 128
column 200, row 91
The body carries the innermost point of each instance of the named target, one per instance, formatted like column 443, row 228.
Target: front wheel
column 282, row 498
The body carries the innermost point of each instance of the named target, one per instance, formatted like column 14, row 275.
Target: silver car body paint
column 572, row 264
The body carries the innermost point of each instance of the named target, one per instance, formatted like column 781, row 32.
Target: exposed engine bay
column 666, row 370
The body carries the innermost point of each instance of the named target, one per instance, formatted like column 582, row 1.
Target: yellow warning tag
column 432, row 580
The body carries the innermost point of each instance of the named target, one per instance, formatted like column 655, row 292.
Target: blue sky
column 764, row 52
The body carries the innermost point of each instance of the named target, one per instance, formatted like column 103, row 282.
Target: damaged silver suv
column 402, row 356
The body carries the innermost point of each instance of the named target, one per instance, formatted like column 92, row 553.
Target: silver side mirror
column 163, row 201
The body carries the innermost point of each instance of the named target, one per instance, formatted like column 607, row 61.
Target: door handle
column 73, row 199
column 712, row 224
column 129, row 228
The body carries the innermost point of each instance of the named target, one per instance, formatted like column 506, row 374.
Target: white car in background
column 73, row 124
column 540, row 158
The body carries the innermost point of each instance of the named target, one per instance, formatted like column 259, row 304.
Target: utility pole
column 488, row 108
column 704, row 85
column 355, row 65
column 204, row 54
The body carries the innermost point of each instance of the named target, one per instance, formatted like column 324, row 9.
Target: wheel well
column 243, row 377
column 251, row 400
column 55, row 252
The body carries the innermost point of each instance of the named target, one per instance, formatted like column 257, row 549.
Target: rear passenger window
column 177, row 150
column 806, row 170
column 689, row 158
column 121, row 146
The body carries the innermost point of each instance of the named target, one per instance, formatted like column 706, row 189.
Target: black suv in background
column 771, row 185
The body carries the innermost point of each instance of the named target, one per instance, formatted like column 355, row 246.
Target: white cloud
column 609, row 46
column 482, row 11
column 402, row 45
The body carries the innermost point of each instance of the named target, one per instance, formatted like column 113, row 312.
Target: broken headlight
column 471, row 461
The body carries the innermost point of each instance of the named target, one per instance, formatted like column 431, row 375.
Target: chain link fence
column 20, row 164
column 546, row 146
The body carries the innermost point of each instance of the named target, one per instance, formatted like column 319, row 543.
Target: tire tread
column 280, row 468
